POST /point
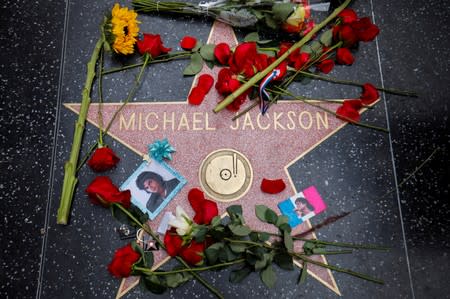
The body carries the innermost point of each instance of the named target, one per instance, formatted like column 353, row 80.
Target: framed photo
column 153, row 185
column 302, row 206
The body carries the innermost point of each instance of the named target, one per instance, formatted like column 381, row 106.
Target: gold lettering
column 183, row 122
column 291, row 124
column 171, row 120
column 247, row 122
column 300, row 117
column 276, row 123
column 236, row 121
column 131, row 122
column 207, row 127
column 196, row 120
column 324, row 121
column 146, row 121
column 140, row 121
column 258, row 121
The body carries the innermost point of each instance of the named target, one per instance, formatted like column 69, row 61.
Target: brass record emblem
column 225, row 175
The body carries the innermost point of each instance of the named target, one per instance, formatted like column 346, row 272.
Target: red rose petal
column 172, row 242
column 325, row 66
column 347, row 113
column 188, row 43
column 196, row 96
column 195, row 198
column 272, row 186
column 205, row 82
column 369, row 94
column 222, row 52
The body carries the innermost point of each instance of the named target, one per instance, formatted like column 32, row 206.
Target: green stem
column 348, row 82
column 334, row 252
column 70, row 179
column 338, row 269
column 149, row 231
column 197, row 269
column 332, row 112
column 249, row 243
column 162, row 58
column 229, row 99
column 131, row 94
column 100, row 98
column 342, row 244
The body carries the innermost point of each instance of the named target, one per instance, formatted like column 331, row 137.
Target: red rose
column 123, row 261
column 198, row 93
column 369, row 94
column 237, row 103
column 173, row 242
column 188, row 43
column 243, row 59
column 226, row 82
column 307, row 28
column 346, row 34
column 291, row 28
column 347, row 112
column 152, row 44
column 348, row 16
column 261, row 61
column 272, row 186
column 325, row 66
column 103, row 159
column 301, row 60
column 193, row 253
column 365, row 30
column 222, row 52
column 355, row 103
column 205, row 210
column 344, row 56
column 284, row 46
column 103, row 192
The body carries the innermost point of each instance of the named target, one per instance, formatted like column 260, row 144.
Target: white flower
column 181, row 222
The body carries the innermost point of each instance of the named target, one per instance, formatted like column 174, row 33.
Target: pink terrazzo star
column 271, row 143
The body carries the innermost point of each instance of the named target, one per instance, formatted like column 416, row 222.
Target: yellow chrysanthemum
column 124, row 29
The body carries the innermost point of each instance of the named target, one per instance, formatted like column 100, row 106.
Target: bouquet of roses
column 207, row 242
column 290, row 17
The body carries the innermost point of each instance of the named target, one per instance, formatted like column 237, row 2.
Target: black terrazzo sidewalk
column 44, row 49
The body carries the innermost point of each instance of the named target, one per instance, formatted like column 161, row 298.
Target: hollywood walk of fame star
column 271, row 143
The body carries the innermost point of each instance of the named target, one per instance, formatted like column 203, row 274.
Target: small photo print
column 302, row 206
column 153, row 185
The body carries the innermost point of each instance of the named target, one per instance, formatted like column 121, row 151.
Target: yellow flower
column 124, row 28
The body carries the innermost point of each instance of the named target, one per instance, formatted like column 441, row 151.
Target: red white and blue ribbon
column 263, row 94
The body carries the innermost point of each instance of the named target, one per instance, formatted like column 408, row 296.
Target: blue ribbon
column 263, row 94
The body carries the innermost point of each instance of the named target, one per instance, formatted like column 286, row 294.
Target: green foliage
column 303, row 273
column 239, row 275
column 268, row 276
column 327, row 38
column 195, row 66
column 207, row 52
column 239, row 230
column 284, row 261
column 174, row 280
column 199, row 233
column 154, row 284
column 212, row 252
column 251, row 37
column 281, row 11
